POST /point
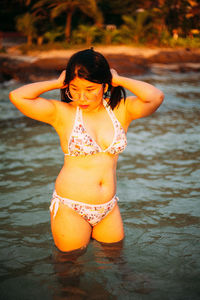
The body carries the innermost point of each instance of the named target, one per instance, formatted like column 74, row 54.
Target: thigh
column 70, row 231
column 110, row 229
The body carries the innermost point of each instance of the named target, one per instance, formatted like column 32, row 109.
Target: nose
column 82, row 96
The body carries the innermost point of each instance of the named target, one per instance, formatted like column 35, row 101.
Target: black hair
column 92, row 66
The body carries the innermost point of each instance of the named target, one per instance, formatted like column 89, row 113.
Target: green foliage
column 185, row 42
column 68, row 8
column 163, row 38
column 44, row 47
column 86, row 34
column 136, row 28
column 26, row 25
column 113, row 36
column 54, row 35
column 132, row 22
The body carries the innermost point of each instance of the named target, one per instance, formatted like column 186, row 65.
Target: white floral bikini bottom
column 92, row 213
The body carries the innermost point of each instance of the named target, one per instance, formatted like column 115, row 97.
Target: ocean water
column 159, row 190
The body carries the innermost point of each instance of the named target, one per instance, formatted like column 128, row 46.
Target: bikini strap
column 78, row 117
column 110, row 111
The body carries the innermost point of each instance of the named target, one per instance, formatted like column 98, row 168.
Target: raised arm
column 146, row 100
column 27, row 99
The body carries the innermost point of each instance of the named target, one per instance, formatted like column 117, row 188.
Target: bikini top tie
column 81, row 143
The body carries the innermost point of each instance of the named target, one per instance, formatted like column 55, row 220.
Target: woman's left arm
column 148, row 98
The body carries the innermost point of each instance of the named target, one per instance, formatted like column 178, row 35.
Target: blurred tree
column 68, row 7
column 54, row 34
column 8, row 12
column 166, row 15
column 181, row 15
column 85, row 34
column 137, row 27
column 112, row 35
column 43, row 25
column 26, row 24
column 193, row 14
column 114, row 9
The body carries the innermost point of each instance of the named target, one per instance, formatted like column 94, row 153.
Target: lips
column 84, row 106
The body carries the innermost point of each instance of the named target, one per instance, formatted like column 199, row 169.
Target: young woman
column 91, row 121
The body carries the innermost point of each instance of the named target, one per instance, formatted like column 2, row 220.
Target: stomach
column 88, row 179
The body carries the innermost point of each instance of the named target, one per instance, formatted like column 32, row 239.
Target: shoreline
column 105, row 50
column 127, row 60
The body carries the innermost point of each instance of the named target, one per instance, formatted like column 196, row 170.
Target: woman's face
column 86, row 94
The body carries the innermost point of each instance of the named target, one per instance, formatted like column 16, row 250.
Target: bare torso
column 92, row 178
column 88, row 179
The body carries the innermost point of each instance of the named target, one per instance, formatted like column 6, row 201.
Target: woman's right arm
column 27, row 99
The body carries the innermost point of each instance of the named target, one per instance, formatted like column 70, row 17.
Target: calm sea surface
column 159, row 191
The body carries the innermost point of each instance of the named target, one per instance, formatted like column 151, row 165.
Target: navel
column 101, row 183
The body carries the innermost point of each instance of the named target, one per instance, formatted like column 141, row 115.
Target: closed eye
column 90, row 90
column 73, row 89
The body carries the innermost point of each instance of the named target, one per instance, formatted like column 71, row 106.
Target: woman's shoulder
column 62, row 107
column 64, row 112
column 120, row 113
column 60, row 104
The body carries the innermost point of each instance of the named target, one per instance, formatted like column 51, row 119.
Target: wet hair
column 92, row 66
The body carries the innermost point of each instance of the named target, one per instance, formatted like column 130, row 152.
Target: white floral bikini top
column 81, row 143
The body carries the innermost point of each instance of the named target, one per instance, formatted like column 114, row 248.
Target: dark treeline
column 158, row 22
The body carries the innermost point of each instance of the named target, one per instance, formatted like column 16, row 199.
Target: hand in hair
column 61, row 80
column 114, row 77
